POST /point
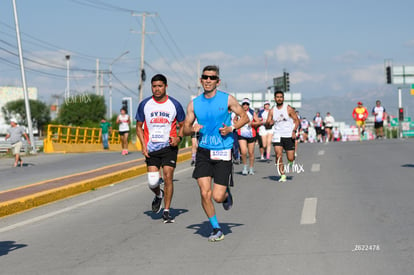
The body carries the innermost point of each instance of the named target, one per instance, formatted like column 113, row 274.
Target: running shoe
column 251, row 171
column 156, row 203
column 262, row 158
column 166, row 217
column 216, row 235
column 228, row 202
column 282, row 178
column 245, row 172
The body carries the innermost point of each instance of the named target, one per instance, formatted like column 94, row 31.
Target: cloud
column 348, row 57
column 410, row 43
column 373, row 74
column 303, row 77
column 289, row 53
column 49, row 60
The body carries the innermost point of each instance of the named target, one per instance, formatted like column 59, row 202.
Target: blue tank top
column 212, row 113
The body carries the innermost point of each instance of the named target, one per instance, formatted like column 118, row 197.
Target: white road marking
column 70, row 208
column 309, row 211
column 316, row 167
column 321, row 152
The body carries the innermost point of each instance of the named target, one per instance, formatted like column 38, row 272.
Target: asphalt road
column 351, row 211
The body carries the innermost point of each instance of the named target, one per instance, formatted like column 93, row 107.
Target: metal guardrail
column 79, row 135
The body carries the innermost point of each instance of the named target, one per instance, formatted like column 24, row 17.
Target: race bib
column 276, row 138
column 159, row 136
column 220, row 154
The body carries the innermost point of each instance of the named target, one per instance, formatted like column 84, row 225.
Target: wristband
column 232, row 128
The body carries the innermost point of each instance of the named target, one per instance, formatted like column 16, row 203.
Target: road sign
column 405, row 126
column 394, row 121
column 403, row 74
column 294, row 99
column 412, row 89
column 279, row 83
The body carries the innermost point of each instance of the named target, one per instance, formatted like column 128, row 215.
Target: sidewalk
column 48, row 177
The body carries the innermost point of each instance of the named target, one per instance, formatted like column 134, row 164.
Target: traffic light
column 388, row 72
column 286, row 81
column 125, row 105
column 400, row 114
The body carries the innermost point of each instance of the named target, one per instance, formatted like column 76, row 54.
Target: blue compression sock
column 214, row 222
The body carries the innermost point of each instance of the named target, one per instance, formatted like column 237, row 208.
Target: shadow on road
column 204, row 229
column 408, row 165
column 276, row 178
column 8, row 246
column 174, row 212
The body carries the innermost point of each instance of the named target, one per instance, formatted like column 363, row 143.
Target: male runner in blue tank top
column 212, row 109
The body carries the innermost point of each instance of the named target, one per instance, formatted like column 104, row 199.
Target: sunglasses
column 212, row 77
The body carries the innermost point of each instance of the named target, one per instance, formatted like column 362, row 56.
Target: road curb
column 34, row 200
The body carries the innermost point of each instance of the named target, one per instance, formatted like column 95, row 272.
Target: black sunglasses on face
column 212, row 77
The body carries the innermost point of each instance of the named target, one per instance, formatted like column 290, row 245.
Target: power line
column 102, row 5
column 52, row 66
column 52, row 46
column 176, row 83
column 122, row 84
column 171, row 38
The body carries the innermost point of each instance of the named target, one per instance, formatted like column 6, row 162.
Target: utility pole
column 97, row 78
column 67, row 95
column 110, row 82
column 101, row 86
column 198, row 78
column 198, row 84
column 142, row 70
column 26, row 95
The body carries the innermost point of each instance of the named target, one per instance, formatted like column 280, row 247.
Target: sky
column 330, row 48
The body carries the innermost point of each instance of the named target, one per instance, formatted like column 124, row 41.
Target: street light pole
column 110, row 82
column 67, row 95
column 26, row 95
column 141, row 69
column 141, row 83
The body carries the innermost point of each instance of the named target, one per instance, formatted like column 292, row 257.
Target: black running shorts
column 318, row 130
column 249, row 140
column 220, row 170
column 165, row 157
column 378, row 124
column 287, row 143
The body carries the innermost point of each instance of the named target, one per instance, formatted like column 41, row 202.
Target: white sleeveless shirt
column 284, row 125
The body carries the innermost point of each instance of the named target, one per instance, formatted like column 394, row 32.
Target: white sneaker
column 282, row 178
column 244, row 172
column 251, row 171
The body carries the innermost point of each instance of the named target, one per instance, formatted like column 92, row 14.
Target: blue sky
column 330, row 48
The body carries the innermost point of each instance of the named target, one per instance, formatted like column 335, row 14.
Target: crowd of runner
column 223, row 132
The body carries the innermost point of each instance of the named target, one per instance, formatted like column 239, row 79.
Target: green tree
column 39, row 111
column 82, row 110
